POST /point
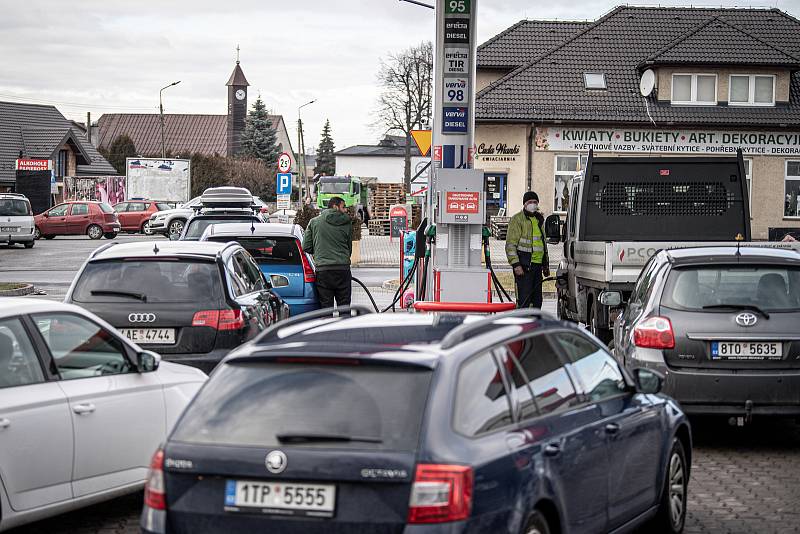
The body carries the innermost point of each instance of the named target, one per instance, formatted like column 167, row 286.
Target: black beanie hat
column 530, row 195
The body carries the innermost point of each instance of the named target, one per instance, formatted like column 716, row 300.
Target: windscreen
column 770, row 288
column 268, row 250
column 338, row 187
column 275, row 404
column 13, row 207
column 196, row 227
column 664, row 199
column 149, row 281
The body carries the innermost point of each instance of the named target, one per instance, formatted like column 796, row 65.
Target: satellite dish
column 648, row 82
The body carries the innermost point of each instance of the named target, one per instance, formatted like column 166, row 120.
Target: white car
column 16, row 220
column 81, row 409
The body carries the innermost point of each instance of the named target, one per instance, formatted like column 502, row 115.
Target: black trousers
column 335, row 284
column 529, row 286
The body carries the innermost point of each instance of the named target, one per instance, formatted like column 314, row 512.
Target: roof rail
column 460, row 333
column 105, row 247
column 342, row 311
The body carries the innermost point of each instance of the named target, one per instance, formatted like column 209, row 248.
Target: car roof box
column 226, row 197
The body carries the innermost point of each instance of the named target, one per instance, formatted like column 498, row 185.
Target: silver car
column 16, row 220
column 721, row 324
column 82, row 409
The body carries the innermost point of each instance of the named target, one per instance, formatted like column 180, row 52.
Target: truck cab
column 348, row 188
column 624, row 210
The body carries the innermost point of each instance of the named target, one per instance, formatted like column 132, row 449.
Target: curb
column 27, row 289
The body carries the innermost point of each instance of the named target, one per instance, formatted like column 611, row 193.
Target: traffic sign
column 284, row 202
column 423, row 139
column 284, row 162
column 284, row 185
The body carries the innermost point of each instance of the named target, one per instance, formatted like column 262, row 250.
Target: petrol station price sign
column 458, row 7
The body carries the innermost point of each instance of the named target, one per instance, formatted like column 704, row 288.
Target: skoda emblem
column 142, row 317
column 276, row 462
column 746, row 319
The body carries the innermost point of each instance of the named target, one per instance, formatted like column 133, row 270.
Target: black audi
column 721, row 323
column 191, row 302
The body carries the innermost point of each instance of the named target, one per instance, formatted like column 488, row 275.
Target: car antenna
column 155, row 248
column 252, row 227
column 739, row 239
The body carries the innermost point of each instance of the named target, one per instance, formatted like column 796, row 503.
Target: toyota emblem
column 746, row 319
column 142, row 317
column 276, row 462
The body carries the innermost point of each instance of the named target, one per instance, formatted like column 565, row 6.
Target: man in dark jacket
column 329, row 238
column 526, row 249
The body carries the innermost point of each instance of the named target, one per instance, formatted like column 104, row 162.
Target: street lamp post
column 161, row 112
column 301, row 147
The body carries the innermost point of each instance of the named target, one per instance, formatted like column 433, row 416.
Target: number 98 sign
column 459, row 7
column 456, row 91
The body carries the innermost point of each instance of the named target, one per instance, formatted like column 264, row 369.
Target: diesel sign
column 456, row 31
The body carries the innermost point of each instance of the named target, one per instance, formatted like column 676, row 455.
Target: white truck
column 622, row 211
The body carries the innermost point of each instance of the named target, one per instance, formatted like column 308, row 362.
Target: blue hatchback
column 278, row 250
column 414, row 424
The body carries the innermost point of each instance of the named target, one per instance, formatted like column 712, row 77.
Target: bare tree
column 407, row 94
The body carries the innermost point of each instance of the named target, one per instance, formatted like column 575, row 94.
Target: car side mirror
column 552, row 227
column 278, row 281
column 610, row 298
column 147, row 361
column 648, row 381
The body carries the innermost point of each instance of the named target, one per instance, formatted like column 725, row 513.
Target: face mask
column 532, row 207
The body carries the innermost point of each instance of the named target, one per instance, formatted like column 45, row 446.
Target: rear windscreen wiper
column 748, row 307
column 307, row 438
column 117, row 293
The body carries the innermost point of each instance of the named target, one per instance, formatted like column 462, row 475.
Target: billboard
column 108, row 189
column 158, row 179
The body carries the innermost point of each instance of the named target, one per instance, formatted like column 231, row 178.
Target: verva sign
column 462, row 202
column 34, row 165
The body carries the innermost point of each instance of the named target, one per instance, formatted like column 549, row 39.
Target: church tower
column 237, row 107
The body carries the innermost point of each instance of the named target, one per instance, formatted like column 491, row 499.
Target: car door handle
column 4, row 423
column 83, row 408
column 552, row 449
column 612, row 428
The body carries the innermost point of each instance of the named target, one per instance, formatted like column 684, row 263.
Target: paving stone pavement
column 743, row 481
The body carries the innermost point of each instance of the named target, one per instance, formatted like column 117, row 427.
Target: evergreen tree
column 259, row 139
column 121, row 148
column 326, row 161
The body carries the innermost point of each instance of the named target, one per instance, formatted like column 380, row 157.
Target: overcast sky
column 107, row 56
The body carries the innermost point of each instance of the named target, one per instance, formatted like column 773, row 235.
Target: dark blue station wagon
column 417, row 424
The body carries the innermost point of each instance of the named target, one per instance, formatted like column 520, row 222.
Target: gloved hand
column 545, row 271
column 519, row 271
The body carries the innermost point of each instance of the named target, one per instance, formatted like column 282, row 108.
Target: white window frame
column 586, row 84
column 693, row 89
column 786, row 178
column 749, row 178
column 568, row 175
column 751, row 95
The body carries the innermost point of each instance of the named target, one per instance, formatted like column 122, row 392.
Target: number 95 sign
column 460, row 7
column 456, row 91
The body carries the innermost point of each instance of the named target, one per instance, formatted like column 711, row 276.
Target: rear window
column 149, row 281
column 257, row 404
column 771, row 288
column 162, row 206
column 196, row 227
column 268, row 250
column 105, row 208
column 14, row 207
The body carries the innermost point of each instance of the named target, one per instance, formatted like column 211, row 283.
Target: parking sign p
column 284, row 185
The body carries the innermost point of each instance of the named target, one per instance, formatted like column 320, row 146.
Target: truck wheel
column 603, row 334
column 561, row 310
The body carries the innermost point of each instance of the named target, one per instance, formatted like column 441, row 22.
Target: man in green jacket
column 329, row 239
column 526, row 250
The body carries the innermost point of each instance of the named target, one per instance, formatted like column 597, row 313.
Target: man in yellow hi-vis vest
column 526, row 249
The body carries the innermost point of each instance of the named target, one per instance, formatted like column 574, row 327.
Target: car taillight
column 219, row 319
column 654, row 333
column 154, row 493
column 308, row 272
column 441, row 493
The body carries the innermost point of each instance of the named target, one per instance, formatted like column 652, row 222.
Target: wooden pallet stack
column 384, row 196
column 499, row 226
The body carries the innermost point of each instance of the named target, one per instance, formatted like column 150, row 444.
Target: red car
column 134, row 215
column 95, row 219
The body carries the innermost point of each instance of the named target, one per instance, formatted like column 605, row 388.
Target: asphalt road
column 744, row 480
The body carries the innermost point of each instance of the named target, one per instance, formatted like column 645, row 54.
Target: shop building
column 719, row 80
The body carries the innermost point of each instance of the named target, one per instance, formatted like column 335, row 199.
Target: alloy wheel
column 95, row 232
column 677, row 488
column 146, row 228
column 176, row 227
